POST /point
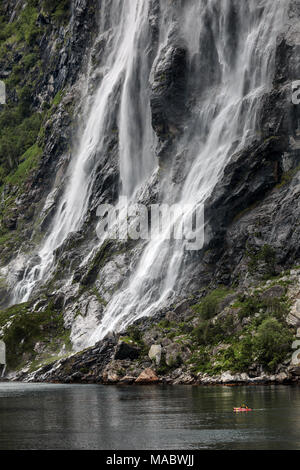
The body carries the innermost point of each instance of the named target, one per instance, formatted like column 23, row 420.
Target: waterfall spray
column 242, row 38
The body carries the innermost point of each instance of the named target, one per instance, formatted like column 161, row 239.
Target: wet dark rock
column 10, row 223
column 168, row 97
column 126, row 351
column 248, row 177
column 85, row 367
column 255, row 204
column 206, row 67
column 77, row 376
column 182, row 307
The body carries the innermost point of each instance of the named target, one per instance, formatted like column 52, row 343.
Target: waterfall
column 239, row 37
column 227, row 115
column 126, row 28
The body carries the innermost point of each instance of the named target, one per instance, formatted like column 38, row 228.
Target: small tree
column 272, row 343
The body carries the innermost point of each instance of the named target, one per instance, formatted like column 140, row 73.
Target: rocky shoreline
column 225, row 337
column 149, row 377
column 237, row 313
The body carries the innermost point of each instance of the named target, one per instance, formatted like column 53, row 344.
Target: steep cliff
column 161, row 102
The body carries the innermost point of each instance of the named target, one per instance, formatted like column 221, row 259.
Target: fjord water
column 183, row 417
column 242, row 41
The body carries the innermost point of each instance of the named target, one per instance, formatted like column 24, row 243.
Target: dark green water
column 98, row 417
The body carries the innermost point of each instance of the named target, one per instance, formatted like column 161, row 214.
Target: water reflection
column 97, row 417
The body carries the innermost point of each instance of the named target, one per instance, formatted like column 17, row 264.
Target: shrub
column 209, row 306
column 58, row 9
column 208, row 333
column 16, row 136
column 249, row 307
column 134, row 333
column 265, row 255
column 23, row 328
column 272, row 343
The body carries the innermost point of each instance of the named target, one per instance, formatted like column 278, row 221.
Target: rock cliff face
column 138, row 95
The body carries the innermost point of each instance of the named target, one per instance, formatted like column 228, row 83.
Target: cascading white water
column 128, row 21
column 227, row 114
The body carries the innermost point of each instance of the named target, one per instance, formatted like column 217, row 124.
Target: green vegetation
column 20, row 54
column 23, row 328
column 22, row 119
column 288, row 176
column 251, row 332
column 165, row 368
column 209, row 306
column 24, row 28
column 17, row 134
column 272, row 343
column 59, row 10
column 101, row 256
column 28, row 162
column 265, row 257
column 265, row 338
column 134, row 334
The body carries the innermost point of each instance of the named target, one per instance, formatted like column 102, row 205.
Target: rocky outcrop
column 168, row 97
column 247, row 178
column 250, row 338
column 86, row 367
column 147, row 377
column 252, row 214
column 126, row 351
column 53, row 57
column 155, row 353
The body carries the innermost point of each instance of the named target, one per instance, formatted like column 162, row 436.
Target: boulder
column 166, row 342
column 110, row 378
column 126, row 351
column 294, row 316
column 182, row 307
column 127, row 380
column 227, row 377
column 282, row 377
column 295, row 370
column 111, row 374
column 244, row 377
column 184, row 379
column 148, row 376
column 152, row 336
column 173, row 353
column 155, row 353
column 171, row 316
column 77, row 376
column 275, row 292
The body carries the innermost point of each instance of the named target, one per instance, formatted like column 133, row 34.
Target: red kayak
column 242, row 409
